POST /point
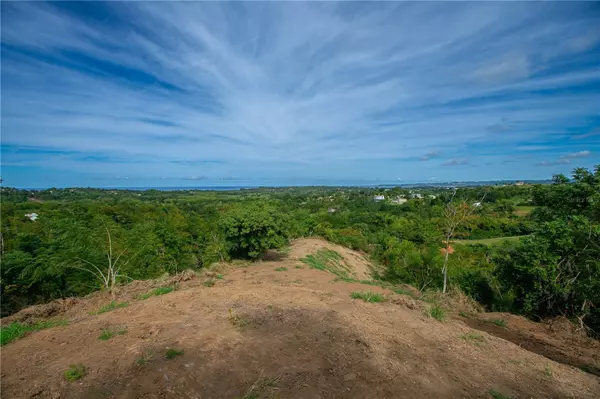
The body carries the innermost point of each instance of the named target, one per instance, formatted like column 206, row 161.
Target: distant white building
column 31, row 216
column 432, row 196
column 331, row 210
column 379, row 198
column 417, row 195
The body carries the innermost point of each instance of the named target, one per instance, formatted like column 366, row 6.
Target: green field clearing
column 524, row 210
column 489, row 241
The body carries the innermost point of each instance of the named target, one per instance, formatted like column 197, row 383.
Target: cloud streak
column 294, row 90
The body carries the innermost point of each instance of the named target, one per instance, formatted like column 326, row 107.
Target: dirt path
column 262, row 333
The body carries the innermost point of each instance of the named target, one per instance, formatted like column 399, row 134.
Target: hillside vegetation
column 310, row 322
column 82, row 240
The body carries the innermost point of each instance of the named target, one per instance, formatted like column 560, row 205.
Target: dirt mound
column 357, row 261
column 276, row 329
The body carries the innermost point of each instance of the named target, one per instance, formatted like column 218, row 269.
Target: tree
column 109, row 273
column 250, row 230
column 455, row 214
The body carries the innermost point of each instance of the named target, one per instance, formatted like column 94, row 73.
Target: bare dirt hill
column 259, row 332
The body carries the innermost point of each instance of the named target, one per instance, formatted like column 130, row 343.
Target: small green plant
column 17, row 330
column 437, row 312
column 548, row 371
column 110, row 307
column 299, row 267
column 474, row 338
column 74, row 372
column 156, row 292
column 463, row 314
column 145, row 357
column 281, row 269
column 367, row 296
column 108, row 333
column 497, row 395
column 238, row 321
column 209, row 283
column 220, row 277
column 499, row 323
column 173, row 353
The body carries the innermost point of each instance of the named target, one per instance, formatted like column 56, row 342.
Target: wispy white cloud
column 580, row 154
column 344, row 90
column 456, row 162
column 431, row 154
column 561, row 161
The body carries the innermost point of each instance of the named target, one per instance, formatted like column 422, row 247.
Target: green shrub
column 281, row 269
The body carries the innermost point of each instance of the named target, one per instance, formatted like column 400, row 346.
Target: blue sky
column 174, row 93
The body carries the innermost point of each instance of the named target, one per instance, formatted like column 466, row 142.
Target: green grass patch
column 524, row 210
column 490, row 241
column 108, row 333
column 110, row 307
column 209, row 283
column 499, row 322
column 474, row 338
column 463, row 314
column 74, row 372
column 327, row 260
column 173, row 353
column 299, row 267
column 18, row 330
column 220, row 277
column 156, row 292
column 437, row 312
column 281, row 269
column 367, row 296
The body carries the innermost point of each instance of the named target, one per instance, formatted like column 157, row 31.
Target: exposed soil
column 261, row 333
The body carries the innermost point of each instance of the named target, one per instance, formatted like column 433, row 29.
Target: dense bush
column 250, row 230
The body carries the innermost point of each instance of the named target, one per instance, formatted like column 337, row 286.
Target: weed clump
column 367, row 296
column 173, row 353
column 75, row 372
column 108, row 333
column 499, row 322
column 110, row 307
column 474, row 338
column 437, row 312
column 145, row 357
column 156, row 292
column 281, row 269
column 209, row 283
